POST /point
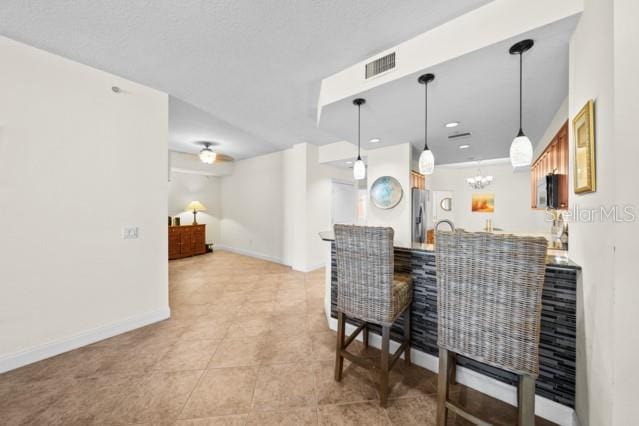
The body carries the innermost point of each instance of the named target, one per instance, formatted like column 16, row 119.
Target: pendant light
column 359, row 168
column 426, row 158
column 521, row 151
column 207, row 155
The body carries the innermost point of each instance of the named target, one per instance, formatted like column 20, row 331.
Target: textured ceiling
column 480, row 90
column 253, row 65
column 189, row 125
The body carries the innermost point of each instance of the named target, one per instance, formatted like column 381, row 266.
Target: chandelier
column 479, row 181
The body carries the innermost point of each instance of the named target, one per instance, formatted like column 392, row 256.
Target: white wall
column 591, row 246
column 319, row 204
column 558, row 120
column 253, row 207
column 274, row 206
column 512, row 198
column 187, row 187
column 78, row 163
column 395, row 161
column 626, row 235
column 339, row 151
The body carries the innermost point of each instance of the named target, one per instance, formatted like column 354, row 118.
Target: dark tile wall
column 556, row 379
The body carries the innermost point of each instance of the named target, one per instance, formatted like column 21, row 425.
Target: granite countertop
column 556, row 258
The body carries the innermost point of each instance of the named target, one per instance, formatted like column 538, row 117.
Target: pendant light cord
column 521, row 55
column 359, row 127
column 426, row 116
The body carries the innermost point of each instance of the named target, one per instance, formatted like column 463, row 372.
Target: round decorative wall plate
column 386, row 192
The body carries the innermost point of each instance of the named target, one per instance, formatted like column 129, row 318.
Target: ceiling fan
column 208, row 156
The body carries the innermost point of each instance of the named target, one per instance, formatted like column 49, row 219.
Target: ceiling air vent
column 380, row 65
column 459, row 135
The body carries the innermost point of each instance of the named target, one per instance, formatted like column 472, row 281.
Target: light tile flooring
column 247, row 344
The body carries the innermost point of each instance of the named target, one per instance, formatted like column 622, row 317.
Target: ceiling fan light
column 359, row 170
column 207, row 156
column 521, row 151
column 426, row 162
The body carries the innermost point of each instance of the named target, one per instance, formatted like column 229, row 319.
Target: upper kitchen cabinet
column 554, row 160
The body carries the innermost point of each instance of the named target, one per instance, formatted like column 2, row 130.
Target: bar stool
column 489, row 309
column 368, row 290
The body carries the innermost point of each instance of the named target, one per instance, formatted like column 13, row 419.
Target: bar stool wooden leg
column 365, row 331
column 446, row 361
column 339, row 359
column 526, row 400
column 383, row 382
column 407, row 336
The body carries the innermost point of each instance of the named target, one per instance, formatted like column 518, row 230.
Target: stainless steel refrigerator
column 419, row 215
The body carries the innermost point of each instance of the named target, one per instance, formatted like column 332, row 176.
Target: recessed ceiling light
column 464, row 146
column 375, row 140
column 452, row 124
column 349, row 162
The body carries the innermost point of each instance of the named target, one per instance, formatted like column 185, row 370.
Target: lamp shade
column 359, row 170
column 426, row 162
column 195, row 206
column 208, row 156
column 521, row 152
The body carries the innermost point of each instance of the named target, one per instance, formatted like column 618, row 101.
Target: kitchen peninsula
column 556, row 381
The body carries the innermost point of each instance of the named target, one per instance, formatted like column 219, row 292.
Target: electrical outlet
column 130, row 233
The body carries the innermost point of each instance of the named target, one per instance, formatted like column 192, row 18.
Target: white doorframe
column 351, row 186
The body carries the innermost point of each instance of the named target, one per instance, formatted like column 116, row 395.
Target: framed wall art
column 483, row 203
column 583, row 126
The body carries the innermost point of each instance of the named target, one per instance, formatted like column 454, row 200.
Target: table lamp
column 195, row 206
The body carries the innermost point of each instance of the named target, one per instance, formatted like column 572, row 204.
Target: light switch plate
column 130, row 233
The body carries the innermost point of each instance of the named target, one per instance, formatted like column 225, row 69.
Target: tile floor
column 247, row 344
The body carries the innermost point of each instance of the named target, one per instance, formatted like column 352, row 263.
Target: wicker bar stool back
column 369, row 292
column 489, row 309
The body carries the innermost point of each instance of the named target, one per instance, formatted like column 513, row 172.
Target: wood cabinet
column 554, row 159
column 187, row 240
column 417, row 180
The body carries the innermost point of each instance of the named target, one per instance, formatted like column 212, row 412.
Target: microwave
column 548, row 188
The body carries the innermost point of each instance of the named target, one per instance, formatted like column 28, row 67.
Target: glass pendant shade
column 426, row 162
column 207, row 156
column 359, row 170
column 521, row 151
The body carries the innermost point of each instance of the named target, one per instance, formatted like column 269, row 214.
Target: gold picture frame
column 583, row 126
column 483, row 203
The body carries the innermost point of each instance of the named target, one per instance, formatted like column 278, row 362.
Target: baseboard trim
column 250, row 254
column 257, row 255
column 47, row 350
column 545, row 408
column 311, row 268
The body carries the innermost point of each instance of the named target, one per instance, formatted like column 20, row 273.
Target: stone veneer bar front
column 557, row 351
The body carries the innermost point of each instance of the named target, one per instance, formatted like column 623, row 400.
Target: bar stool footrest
column 465, row 414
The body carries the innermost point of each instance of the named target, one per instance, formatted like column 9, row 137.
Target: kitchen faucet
column 450, row 223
